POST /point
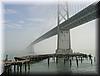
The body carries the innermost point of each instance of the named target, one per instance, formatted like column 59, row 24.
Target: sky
column 1, row 38
column 25, row 22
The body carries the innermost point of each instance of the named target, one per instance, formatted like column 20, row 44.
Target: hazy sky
column 25, row 22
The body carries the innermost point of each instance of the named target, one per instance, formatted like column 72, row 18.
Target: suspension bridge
column 62, row 30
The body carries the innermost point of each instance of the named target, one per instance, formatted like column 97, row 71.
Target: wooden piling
column 56, row 60
column 14, row 68
column 77, row 61
column 90, row 56
column 68, row 57
column 10, row 69
column 25, row 67
column 81, row 59
column 91, row 61
column 94, row 59
column 48, row 61
column 70, row 62
column 20, row 67
column 64, row 60
column 17, row 68
column 28, row 65
column 53, row 58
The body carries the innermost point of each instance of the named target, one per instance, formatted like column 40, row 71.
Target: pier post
column 77, row 61
column 20, row 67
column 29, row 66
column 64, row 60
column 70, row 62
column 48, row 61
column 10, row 69
column 91, row 61
column 81, row 59
column 14, row 68
column 56, row 60
column 68, row 57
column 90, row 57
column 25, row 67
column 94, row 59
column 17, row 68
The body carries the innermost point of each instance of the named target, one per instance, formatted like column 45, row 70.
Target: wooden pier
column 45, row 56
column 26, row 60
column 16, row 64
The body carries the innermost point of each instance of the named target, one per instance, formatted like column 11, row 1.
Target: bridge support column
column 63, row 46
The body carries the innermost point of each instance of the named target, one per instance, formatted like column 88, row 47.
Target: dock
column 41, row 57
column 27, row 60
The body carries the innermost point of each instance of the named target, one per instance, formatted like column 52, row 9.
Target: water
column 42, row 67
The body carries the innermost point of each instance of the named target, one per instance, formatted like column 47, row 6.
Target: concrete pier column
column 63, row 46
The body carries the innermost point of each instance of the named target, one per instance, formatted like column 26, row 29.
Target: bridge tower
column 63, row 42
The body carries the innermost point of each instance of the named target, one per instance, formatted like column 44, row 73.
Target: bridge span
column 85, row 15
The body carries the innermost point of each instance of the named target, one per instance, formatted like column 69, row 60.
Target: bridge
column 63, row 51
column 63, row 29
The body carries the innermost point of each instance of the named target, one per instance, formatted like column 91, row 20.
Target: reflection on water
column 63, row 66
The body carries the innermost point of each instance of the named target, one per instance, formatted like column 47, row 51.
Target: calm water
column 42, row 67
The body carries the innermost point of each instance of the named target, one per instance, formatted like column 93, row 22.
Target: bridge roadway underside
column 86, row 15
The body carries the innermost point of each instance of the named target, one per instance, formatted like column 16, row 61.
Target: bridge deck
column 84, row 16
